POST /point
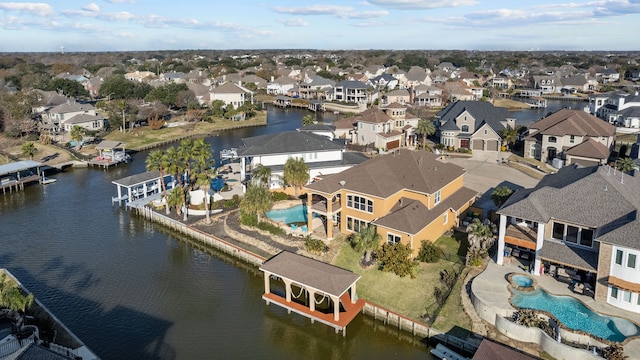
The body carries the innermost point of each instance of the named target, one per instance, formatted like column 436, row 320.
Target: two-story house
column 583, row 220
column 351, row 92
column 69, row 114
column 409, row 196
column 475, row 125
column 316, row 88
column 564, row 135
column 400, row 96
column 424, row 95
column 231, row 94
column 388, row 127
column 322, row 155
column 618, row 108
column 281, row 86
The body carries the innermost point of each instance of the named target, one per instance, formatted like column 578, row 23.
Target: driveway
column 486, row 173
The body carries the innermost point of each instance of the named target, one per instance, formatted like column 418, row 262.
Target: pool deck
column 491, row 286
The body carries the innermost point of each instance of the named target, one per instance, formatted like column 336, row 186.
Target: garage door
column 393, row 144
column 492, row 145
column 478, row 144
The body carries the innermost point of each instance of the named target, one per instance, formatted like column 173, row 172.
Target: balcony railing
column 321, row 207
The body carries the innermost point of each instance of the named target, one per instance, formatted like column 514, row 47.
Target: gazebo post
column 267, row 283
column 330, row 218
column 312, row 300
column 336, row 308
column 287, row 286
column 353, row 293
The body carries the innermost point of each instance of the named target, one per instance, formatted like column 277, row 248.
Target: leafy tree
column 257, row 200
column 425, row 128
column 117, row 87
column 11, row 295
column 308, row 120
column 167, row 94
column 395, row 258
column 77, row 133
column 29, row 149
column 314, row 246
column 296, row 173
column 429, row 252
column 156, row 160
column 509, row 135
column 501, row 194
column 217, row 108
column 70, row 88
column 367, row 240
column 626, row 164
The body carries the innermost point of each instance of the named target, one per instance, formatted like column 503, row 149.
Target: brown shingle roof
column 573, row 122
column 313, row 273
column 490, row 350
column 382, row 176
column 590, row 149
column 373, row 115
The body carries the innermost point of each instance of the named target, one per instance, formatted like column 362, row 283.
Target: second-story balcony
column 320, row 207
column 521, row 235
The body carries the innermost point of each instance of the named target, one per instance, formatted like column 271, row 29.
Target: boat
column 229, row 154
column 444, row 353
column 45, row 180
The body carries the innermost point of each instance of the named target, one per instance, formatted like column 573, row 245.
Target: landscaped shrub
column 429, row 252
column 269, row 227
column 279, row 196
column 249, row 220
column 314, row 246
column 395, row 258
column 614, row 352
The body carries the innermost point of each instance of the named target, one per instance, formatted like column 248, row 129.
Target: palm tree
column 29, row 149
column 201, row 154
column 509, row 135
column 185, row 155
column 257, row 200
column 367, row 239
column 77, row 133
column 501, row 194
column 480, row 234
column 425, row 128
column 296, row 173
column 11, row 296
column 626, row 164
column 174, row 198
column 176, row 166
column 261, row 175
column 204, row 183
column 156, row 160
column 308, row 120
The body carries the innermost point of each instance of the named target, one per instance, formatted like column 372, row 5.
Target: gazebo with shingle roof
column 313, row 278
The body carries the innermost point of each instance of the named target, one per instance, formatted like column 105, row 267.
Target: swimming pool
column 574, row 315
column 295, row 214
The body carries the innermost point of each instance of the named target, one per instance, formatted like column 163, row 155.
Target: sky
column 131, row 25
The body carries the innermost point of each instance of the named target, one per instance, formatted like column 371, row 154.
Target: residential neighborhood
column 433, row 192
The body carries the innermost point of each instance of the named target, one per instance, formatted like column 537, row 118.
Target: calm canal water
column 132, row 290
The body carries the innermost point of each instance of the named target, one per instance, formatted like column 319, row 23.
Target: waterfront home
column 409, row 196
column 572, row 136
column 231, row 94
column 619, row 108
column 376, row 128
column 322, row 155
column 475, row 125
column 351, row 92
column 71, row 113
column 582, row 224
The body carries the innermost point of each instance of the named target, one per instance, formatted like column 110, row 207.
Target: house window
column 464, row 128
column 619, row 255
column 614, row 292
column 572, row 139
column 373, row 127
column 486, row 131
column 393, row 239
column 572, row 234
column 436, row 198
column 552, row 139
column 558, row 231
column 360, row 203
column 446, row 218
column 626, row 296
column 355, row 225
column 631, row 261
column 586, row 237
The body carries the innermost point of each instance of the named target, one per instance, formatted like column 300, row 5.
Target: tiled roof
column 482, row 111
column 228, row 88
column 573, row 122
column 316, row 274
column 382, row 176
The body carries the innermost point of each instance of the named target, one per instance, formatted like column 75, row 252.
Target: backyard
column 414, row 298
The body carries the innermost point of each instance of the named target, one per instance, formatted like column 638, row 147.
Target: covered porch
column 319, row 291
column 328, row 207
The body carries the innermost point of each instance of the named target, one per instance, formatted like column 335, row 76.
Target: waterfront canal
column 131, row 290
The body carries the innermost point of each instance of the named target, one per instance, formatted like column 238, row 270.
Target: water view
column 131, row 289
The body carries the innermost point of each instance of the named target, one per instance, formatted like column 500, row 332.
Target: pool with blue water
column 575, row 315
column 295, row 214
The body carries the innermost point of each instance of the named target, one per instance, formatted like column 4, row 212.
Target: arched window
column 464, row 128
column 552, row 139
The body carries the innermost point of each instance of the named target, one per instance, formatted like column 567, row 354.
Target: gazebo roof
column 137, row 178
column 311, row 273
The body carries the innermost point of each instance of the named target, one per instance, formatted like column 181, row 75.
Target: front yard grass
column 412, row 298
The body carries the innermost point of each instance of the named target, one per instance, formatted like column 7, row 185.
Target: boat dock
column 325, row 293
column 109, row 155
column 14, row 176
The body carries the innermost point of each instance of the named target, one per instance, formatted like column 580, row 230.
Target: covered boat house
column 15, row 175
column 140, row 186
column 312, row 288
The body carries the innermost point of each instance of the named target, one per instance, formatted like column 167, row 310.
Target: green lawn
column 406, row 296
